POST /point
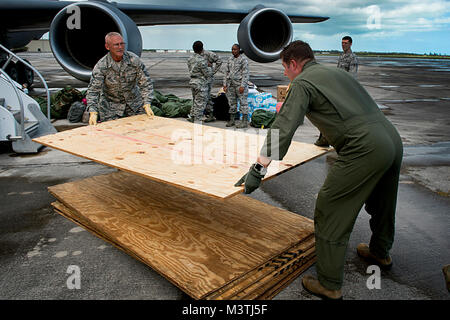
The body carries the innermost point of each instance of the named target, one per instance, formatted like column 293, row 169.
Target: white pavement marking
column 61, row 254
column 76, row 229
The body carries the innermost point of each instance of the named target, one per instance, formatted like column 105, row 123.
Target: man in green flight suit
column 366, row 171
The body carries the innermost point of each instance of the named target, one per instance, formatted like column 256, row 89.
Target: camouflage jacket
column 349, row 62
column 199, row 70
column 236, row 72
column 113, row 86
column 212, row 59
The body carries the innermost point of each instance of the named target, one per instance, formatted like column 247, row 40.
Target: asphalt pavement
column 39, row 249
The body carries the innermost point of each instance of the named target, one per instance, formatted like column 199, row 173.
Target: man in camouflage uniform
column 348, row 60
column 235, row 85
column 200, row 72
column 349, row 63
column 120, row 85
column 213, row 60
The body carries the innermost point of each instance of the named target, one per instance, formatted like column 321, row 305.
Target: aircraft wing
column 33, row 15
column 146, row 15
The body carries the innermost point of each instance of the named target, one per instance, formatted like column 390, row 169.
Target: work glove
column 93, row 118
column 148, row 110
column 251, row 180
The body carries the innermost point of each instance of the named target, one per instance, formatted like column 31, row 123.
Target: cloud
column 344, row 14
column 369, row 20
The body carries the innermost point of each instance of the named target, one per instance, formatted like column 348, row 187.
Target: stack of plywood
column 185, row 219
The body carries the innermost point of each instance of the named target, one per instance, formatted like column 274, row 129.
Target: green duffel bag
column 185, row 108
column 262, row 118
column 172, row 98
column 157, row 111
column 171, row 109
column 159, row 96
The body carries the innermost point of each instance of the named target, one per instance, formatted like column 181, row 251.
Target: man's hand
column 241, row 90
column 148, row 110
column 225, row 89
column 93, row 118
column 251, row 180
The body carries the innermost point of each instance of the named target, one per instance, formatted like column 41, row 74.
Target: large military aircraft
column 77, row 29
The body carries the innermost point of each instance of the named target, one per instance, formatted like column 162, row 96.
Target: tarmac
column 38, row 248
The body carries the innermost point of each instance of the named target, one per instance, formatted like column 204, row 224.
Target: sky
column 413, row 26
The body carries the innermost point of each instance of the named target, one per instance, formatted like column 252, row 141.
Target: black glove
column 251, row 180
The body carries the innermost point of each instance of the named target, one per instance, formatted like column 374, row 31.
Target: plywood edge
column 261, row 272
column 280, row 284
column 272, row 279
column 297, row 165
column 248, row 199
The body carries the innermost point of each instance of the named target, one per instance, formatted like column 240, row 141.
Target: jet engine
column 264, row 33
column 77, row 35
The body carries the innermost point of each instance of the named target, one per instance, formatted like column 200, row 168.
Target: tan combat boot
column 313, row 286
column 446, row 271
column 364, row 252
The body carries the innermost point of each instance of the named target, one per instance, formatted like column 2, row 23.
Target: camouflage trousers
column 199, row 101
column 209, row 104
column 113, row 113
column 233, row 96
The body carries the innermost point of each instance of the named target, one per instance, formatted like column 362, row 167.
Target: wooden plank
column 199, row 158
column 262, row 289
column 199, row 243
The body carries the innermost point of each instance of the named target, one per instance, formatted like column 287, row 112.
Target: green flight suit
column 366, row 171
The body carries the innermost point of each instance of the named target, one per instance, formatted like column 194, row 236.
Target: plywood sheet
column 197, row 242
column 200, row 158
column 262, row 283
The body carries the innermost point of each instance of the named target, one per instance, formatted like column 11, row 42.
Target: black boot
column 322, row 141
column 210, row 117
column 231, row 122
column 243, row 123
